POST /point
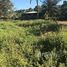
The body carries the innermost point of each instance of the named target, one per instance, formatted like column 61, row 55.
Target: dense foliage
column 50, row 9
column 37, row 43
column 5, row 9
column 63, row 11
column 20, row 47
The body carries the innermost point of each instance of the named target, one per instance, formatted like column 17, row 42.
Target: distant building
column 30, row 15
column 31, row 12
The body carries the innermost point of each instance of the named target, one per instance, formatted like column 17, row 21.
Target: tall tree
column 28, row 10
column 50, row 7
column 5, row 8
column 37, row 8
column 64, row 10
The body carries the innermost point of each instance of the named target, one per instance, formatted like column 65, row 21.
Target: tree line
column 49, row 9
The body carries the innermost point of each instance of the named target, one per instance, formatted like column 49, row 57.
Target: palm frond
column 30, row 1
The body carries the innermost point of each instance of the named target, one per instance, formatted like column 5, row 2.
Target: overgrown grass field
column 19, row 40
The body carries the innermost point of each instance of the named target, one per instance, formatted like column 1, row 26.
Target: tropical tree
column 37, row 8
column 50, row 7
column 28, row 10
column 64, row 10
column 5, row 8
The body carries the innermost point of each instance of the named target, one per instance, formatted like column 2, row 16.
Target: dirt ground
column 62, row 22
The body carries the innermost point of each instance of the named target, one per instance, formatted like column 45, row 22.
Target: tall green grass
column 22, row 44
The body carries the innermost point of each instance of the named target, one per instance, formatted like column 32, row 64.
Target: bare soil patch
column 62, row 22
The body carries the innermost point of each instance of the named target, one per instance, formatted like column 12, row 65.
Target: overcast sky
column 24, row 4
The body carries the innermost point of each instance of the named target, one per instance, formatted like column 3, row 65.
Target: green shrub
column 20, row 48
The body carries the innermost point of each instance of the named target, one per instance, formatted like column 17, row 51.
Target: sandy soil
column 62, row 22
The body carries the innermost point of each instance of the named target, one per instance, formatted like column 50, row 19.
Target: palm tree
column 50, row 7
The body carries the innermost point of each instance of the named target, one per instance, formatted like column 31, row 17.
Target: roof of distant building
column 31, row 12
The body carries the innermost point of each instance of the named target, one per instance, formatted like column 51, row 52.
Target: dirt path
column 62, row 22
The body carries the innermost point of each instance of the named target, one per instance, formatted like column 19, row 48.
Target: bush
column 20, row 48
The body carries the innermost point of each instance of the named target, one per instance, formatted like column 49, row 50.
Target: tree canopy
column 5, row 8
column 50, row 7
column 64, row 10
